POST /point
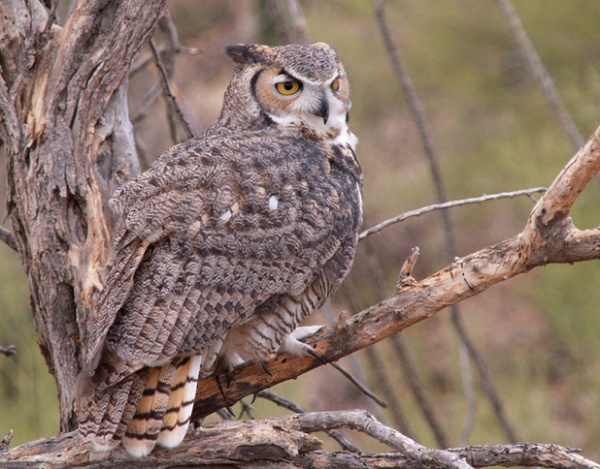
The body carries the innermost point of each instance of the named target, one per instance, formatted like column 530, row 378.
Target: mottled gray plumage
column 224, row 245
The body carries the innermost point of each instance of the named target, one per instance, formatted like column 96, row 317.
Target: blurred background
column 493, row 131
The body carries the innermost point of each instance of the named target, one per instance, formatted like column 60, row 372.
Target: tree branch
column 539, row 72
column 446, row 205
column 548, row 237
column 285, row 442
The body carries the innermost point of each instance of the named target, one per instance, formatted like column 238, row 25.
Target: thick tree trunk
column 69, row 144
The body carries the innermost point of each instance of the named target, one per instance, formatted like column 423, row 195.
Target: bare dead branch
column 171, row 99
column 299, row 21
column 172, row 46
column 285, row 442
column 446, row 205
column 405, row 274
column 539, row 72
column 469, row 389
column 4, row 444
column 345, row 443
column 359, row 384
column 364, row 422
column 419, row 118
column 487, row 382
column 376, row 366
column 525, row 454
column 416, row 386
column 289, row 21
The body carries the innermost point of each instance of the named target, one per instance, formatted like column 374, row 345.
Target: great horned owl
column 224, row 245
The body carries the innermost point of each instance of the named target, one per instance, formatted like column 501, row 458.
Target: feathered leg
column 181, row 402
column 143, row 429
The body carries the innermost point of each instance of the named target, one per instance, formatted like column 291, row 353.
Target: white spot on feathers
column 273, row 203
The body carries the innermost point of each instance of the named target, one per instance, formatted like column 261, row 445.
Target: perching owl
column 224, row 245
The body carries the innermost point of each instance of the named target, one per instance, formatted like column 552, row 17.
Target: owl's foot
column 264, row 367
column 292, row 345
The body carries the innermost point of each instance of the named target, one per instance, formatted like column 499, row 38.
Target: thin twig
column 173, row 46
column 405, row 273
column 353, row 359
column 51, row 16
column 171, row 99
column 148, row 58
column 225, row 414
column 443, row 206
column 465, row 365
column 359, row 384
column 364, row 422
column 410, row 371
column 247, row 409
column 375, row 276
column 145, row 104
column 376, row 364
column 344, row 442
column 487, row 382
column 539, row 72
column 8, row 238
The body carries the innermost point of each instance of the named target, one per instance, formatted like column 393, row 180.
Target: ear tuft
column 246, row 53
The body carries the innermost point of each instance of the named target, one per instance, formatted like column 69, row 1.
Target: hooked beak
column 323, row 111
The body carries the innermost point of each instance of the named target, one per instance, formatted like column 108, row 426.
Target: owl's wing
column 210, row 233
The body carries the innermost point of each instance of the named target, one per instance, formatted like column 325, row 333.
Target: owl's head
column 292, row 86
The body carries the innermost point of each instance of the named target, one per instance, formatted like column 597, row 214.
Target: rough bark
column 68, row 145
column 285, row 443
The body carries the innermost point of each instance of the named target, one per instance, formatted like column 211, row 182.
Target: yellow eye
column 335, row 84
column 288, row 87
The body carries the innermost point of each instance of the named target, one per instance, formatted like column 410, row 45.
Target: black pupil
column 288, row 85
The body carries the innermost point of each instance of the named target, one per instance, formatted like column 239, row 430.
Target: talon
column 315, row 354
column 220, row 386
column 292, row 345
column 264, row 367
